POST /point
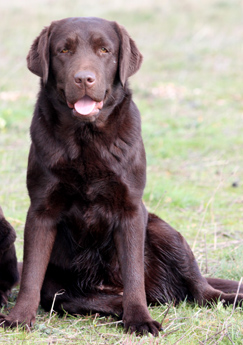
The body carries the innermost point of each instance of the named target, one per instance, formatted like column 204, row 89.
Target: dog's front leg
column 129, row 240
column 39, row 237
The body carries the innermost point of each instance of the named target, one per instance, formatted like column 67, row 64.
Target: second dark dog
column 9, row 275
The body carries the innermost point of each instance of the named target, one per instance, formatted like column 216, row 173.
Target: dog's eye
column 104, row 50
column 64, row 51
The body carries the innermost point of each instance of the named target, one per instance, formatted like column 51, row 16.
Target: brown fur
column 8, row 262
column 87, row 231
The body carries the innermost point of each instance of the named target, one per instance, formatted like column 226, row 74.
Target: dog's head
column 85, row 58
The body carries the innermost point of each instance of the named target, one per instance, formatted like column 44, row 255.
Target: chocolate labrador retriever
column 9, row 275
column 88, row 233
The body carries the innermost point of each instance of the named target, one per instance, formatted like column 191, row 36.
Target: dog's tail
column 225, row 285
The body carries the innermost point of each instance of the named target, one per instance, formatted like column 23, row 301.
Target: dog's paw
column 7, row 321
column 137, row 320
column 144, row 328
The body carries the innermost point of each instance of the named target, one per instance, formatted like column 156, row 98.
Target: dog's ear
column 130, row 58
column 38, row 57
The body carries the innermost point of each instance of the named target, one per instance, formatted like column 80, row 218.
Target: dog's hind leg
column 172, row 273
column 61, row 292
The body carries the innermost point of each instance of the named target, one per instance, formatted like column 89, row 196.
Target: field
column 189, row 92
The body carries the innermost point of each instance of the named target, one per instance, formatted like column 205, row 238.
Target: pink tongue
column 85, row 105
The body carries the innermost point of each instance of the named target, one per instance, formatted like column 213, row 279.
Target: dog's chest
column 96, row 175
column 94, row 189
column 97, row 186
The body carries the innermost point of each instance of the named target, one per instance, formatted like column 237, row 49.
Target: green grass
column 189, row 92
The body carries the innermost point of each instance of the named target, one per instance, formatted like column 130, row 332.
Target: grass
column 189, row 92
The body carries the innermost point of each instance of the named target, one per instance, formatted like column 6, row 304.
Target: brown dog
column 9, row 275
column 87, row 231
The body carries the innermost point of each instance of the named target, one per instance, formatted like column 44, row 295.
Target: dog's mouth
column 86, row 106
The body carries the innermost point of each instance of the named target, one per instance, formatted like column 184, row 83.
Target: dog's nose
column 86, row 78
